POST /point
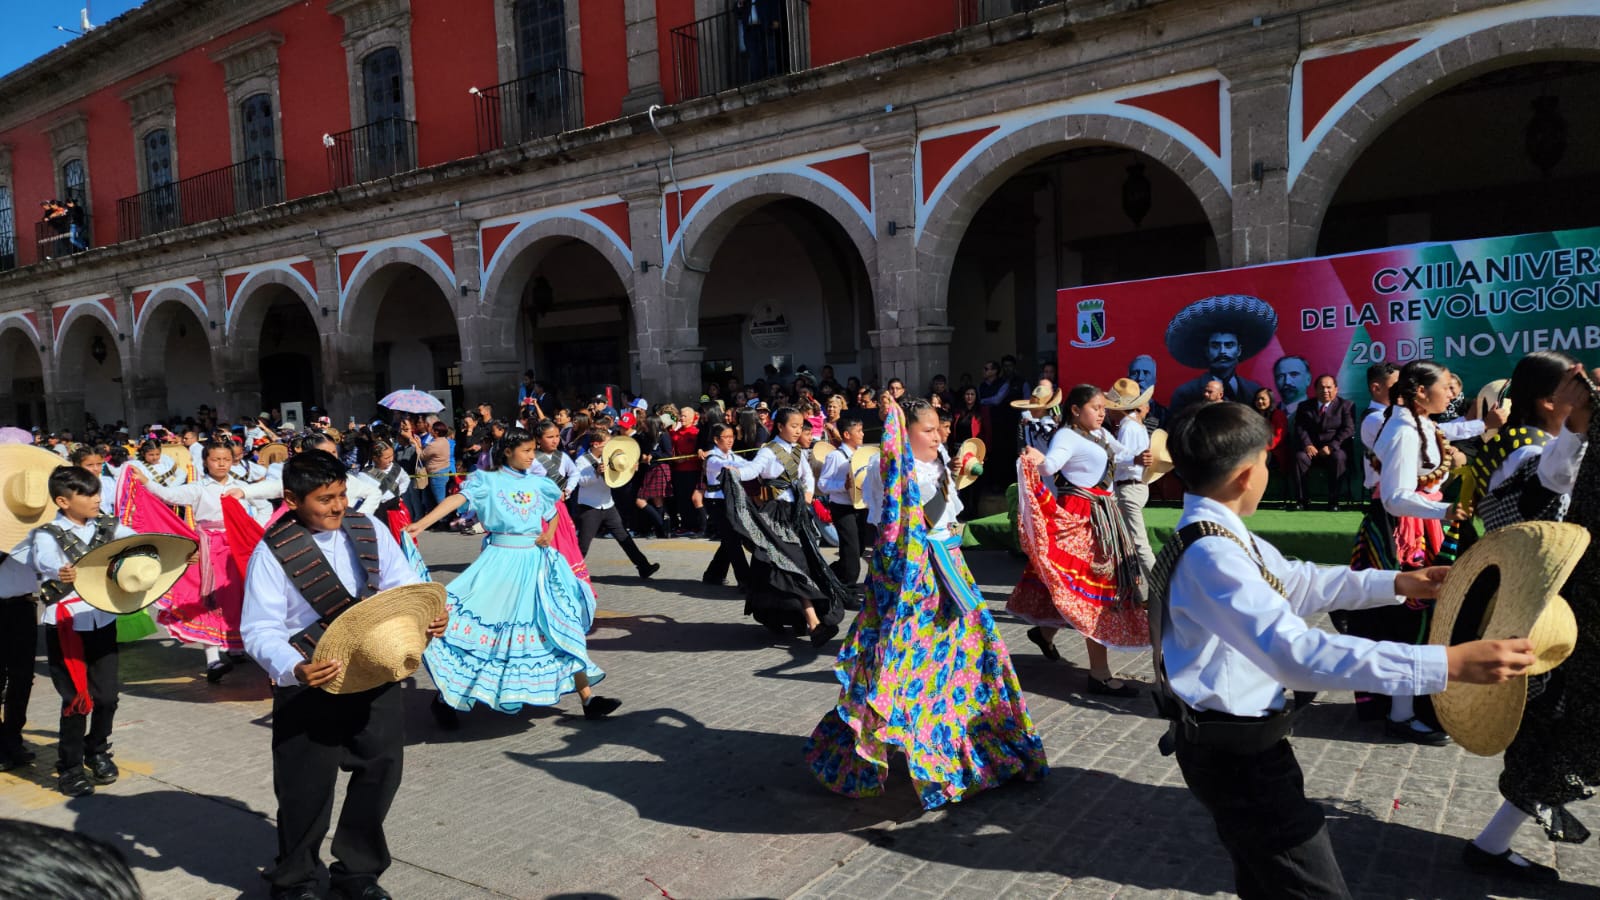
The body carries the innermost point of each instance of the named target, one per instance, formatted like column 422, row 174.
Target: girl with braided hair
column 1404, row 529
column 1537, row 468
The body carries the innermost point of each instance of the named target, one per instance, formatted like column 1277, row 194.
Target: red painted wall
column 313, row 91
column 670, row 14
column 452, row 49
column 841, row 30
column 604, row 40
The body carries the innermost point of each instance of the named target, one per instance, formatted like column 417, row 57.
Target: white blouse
column 1558, row 462
column 1398, row 449
column 161, row 470
column 927, row 484
column 205, row 496
column 1079, row 459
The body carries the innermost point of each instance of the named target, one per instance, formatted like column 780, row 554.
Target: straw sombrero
column 820, row 451
column 1041, row 399
column 1252, row 320
column 861, row 461
column 272, row 453
column 1125, row 394
column 1495, row 393
column 974, row 452
column 1162, row 463
column 380, row 640
column 1505, row 586
column 24, row 491
column 126, row 575
column 618, row 459
column 178, row 453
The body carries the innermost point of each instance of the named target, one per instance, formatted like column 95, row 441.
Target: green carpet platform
column 1316, row 535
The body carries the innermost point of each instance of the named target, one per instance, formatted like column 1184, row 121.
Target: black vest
column 313, row 576
column 105, row 528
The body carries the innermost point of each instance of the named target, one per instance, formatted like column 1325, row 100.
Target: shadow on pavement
column 750, row 782
column 211, row 840
column 654, row 633
column 164, row 669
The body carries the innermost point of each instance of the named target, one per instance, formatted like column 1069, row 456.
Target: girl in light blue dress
column 518, row 615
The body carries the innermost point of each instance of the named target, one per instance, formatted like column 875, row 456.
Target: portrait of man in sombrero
column 1216, row 334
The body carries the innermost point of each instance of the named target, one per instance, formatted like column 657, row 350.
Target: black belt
column 1236, row 734
column 25, row 598
column 1127, row 481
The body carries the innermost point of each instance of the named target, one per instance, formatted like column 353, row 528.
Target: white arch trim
column 799, row 166
column 1105, row 103
column 283, row 267
column 412, row 242
column 525, row 221
column 20, row 320
column 1429, row 38
column 158, row 294
column 75, row 311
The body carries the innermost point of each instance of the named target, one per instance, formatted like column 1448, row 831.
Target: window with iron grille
column 541, row 36
column 388, row 150
column 8, row 231
column 258, row 143
column 161, row 212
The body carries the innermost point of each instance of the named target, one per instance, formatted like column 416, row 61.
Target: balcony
column 976, row 12
column 534, row 106
column 376, row 150
column 217, row 194
column 8, row 244
column 62, row 237
column 724, row 51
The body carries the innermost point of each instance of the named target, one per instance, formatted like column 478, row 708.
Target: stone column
column 668, row 336
column 1258, row 94
column 644, row 56
column 911, row 341
column 491, row 361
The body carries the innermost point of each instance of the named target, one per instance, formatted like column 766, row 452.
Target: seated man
column 1323, row 425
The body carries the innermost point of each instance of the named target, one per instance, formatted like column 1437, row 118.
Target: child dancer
column 923, row 669
column 518, row 614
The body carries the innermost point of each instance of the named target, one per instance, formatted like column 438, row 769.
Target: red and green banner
column 1475, row 306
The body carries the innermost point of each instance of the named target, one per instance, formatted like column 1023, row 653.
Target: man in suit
column 1322, row 426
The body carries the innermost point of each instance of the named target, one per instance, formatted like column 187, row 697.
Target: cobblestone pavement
column 697, row 788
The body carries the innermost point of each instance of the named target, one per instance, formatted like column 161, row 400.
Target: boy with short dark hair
column 80, row 641
column 1230, row 638
column 834, row 483
column 316, row 733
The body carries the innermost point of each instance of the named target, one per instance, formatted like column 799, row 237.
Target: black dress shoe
column 1405, row 732
column 101, row 769
column 649, row 570
column 1333, row 506
column 823, row 633
column 369, row 891
column 852, row 603
column 1501, row 864
column 19, row 755
column 444, row 715
column 714, row 582
column 1047, row 647
column 216, row 670
column 1104, row 688
column 74, row 783
column 298, row 892
column 598, row 708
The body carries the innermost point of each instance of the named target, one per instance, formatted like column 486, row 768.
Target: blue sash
column 954, row 576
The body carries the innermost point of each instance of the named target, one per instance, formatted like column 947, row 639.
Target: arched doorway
column 1529, row 163
column 574, row 319
column 786, row 289
column 1082, row 215
column 90, row 356
column 402, row 314
column 174, row 351
column 21, row 380
column 288, row 358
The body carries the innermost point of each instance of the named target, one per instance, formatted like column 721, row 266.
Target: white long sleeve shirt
column 1559, row 461
column 1135, row 440
column 1457, row 430
column 593, row 491
column 1400, row 450
column 275, row 611
column 716, row 461
column 47, row 562
column 161, row 470
column 566, row 471
column 767, row 465
column 1078, row 459
column 1233, row 644
column 834, row 482
column 205, row 497
column 17, row 577
column 927, row 474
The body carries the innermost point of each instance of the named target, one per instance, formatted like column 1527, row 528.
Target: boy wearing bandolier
column 316, row 733
column 1230, row 639
column 80, row 641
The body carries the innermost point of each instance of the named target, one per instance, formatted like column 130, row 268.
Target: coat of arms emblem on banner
column 1091, row 325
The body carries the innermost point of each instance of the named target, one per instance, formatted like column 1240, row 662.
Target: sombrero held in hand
column 380, row 640
column 128, row 574
column 1252, row 320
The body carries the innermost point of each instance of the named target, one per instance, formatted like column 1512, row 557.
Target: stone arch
column 709, row 225
column 1468, row 56
column 519, row 258
column 172, row 357
column 22, row 355
column 148, row 349
column 254, row 296
column 99, row 391
column 92, row 309
column 947, row 222
column 375, row 273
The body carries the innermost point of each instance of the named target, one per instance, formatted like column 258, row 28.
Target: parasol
column 411, row 401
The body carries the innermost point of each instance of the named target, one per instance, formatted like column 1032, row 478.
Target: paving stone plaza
column 697, row 787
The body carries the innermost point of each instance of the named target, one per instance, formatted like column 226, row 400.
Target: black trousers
column 315, row 734
column 1277, row 838
column 592, row 521
column 730, row 549
column 683, row 485
column 19, row 639
column 92, row 733
column 1302, row 467
column 851, row 523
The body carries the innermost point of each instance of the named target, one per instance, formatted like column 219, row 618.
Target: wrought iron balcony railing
column 62, row 236
column 530, row 107
column 976, row 12
column 728, row 50
column 246, row 185
column 375, row 150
